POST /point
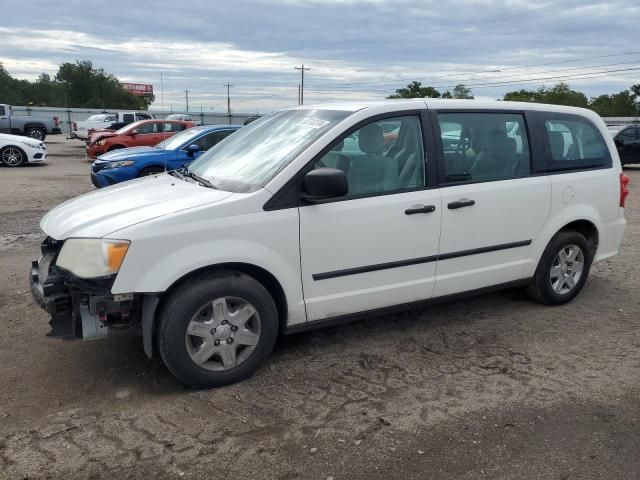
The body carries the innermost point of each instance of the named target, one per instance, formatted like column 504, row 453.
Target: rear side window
column 574, row 143
column 2, row 112
column 484, row 146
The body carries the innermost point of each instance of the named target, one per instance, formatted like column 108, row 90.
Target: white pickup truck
column 106, row 120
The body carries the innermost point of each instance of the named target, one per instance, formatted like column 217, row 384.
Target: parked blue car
column 171, row 154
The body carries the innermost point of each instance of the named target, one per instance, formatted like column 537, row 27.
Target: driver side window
column 383, row 156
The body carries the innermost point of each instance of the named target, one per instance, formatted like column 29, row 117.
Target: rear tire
column 217, row 328
column 13, row 156
column 563, row 268
column 36, row 133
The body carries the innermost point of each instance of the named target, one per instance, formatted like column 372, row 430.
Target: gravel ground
column 492, row 387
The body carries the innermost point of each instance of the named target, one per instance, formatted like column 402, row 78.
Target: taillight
column 624, row 189
column 56, row 121
column 75, row 127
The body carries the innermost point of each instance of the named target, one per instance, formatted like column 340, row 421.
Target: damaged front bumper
column 79, row 308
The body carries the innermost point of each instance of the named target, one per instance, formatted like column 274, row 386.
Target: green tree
column 76, row 85
column 460, row 91
column 622, row 104
column 560, row 94
column 415, row 90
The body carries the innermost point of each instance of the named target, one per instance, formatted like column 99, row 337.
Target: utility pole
column 186, row 96
column 298, row 94
column 302, row 69
column 228, row 97
column 161, row 91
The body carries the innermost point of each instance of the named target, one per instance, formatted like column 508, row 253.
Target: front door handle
column 463, row 202
column 422, row 209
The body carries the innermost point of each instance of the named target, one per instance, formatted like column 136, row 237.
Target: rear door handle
column 463, row 202
column 422, row 209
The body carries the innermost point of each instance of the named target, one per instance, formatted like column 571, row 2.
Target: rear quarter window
column 573, row 143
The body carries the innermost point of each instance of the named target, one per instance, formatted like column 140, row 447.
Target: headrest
column 556, row 142
column 499, row 145
column 371, row 139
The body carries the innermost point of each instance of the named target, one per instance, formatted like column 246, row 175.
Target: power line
column 455, row 75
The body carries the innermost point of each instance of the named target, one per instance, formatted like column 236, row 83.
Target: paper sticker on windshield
column 314, row 122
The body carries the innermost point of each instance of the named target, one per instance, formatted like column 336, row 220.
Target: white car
column 16, row 150
column 81, row 129
column 279, row 229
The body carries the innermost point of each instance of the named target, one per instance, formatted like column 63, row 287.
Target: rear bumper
column 611, row 235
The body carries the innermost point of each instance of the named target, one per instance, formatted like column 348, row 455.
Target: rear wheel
column 37, row 133
column 13, row 156
column 563, row 268
column 145, row 172
column 217, row 329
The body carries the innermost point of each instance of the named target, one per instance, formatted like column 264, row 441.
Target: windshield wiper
column 202, row 181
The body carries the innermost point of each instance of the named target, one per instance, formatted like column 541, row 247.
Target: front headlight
column 92, row 257
column 32, row 145
column 124, row 163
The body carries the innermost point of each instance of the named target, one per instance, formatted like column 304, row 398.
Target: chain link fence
column 69, row 115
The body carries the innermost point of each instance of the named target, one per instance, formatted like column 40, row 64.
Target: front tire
column 36, row 133
column 563, row 268
column 13, row 156
column 217, row 328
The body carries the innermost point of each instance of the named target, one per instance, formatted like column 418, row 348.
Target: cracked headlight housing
column 92, row 257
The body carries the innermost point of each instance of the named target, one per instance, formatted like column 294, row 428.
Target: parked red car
column 137, row 134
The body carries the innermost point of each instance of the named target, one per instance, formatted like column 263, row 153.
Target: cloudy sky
column 356, row 49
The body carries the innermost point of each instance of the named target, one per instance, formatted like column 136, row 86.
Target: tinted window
column 212, row 138
column 383, row 156
column 128, row 117
column 628, row 135
column 173, row 127
column 574, row 143
column 484, row 146
column 147, row 128
column 2, row 111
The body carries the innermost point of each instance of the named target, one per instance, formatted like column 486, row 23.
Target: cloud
column 357, row 49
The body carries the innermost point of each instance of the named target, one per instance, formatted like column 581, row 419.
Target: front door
column 5, row 126
column 492, row 210
column 629, row 145
column 377, row 246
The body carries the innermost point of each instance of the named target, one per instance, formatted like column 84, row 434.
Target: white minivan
column 281, row 228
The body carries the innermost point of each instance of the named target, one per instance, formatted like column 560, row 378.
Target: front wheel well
column 586, row 228
column 266, row 278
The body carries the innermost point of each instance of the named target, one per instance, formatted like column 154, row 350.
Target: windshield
column 96, row 118
column 176, row 141
column 251, row 157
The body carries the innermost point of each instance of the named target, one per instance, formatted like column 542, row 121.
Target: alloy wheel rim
column 566, row 269
column 223, row 333
column 12, row 157
column 37, row 134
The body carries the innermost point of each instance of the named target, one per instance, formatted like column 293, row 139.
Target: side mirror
column 193, row 149
column 323, row 184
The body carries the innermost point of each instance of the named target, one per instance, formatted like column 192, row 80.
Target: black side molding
column 417, row 261
column 352, row 317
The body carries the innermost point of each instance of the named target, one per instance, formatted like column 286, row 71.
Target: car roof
column 445, row 104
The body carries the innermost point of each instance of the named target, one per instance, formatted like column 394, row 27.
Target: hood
column 17, row 138
column 126, row 153
column 99, row 135
column 99, row 213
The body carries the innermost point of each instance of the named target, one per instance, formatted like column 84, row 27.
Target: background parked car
column 171, row 154
column 106, row 121
column 138, row 134
column 16, row 151
column 627, row 138
column 180, row 116
column 34, row 127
